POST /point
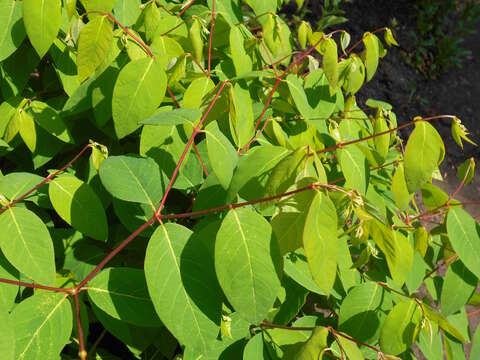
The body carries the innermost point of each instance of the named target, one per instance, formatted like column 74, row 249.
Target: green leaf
column 350, row 348
column 435, row 316
column 401, row 327
column 8, row 292
column 94, row 43
column 27, row 245
column 241, row 61
column 97, row 5
column 285, row 173
column 330, row 62
column 43, row 325
column 181, row 280
column 139, row 90
column 241, row 114
column 363, row 311
column 230, row 10
column 17, row 183
column 122, row 293
column 396, row 248
column 314, row 347
column 320, row 241
column 423, row 154
column 259, row 161
column 296, row 267
column 78, row 205
column 254, row 350
column 26, row 128
column 288, row 222
column 464, row 235
column 475, row 351
column 12, row 31
column 389, row 39
column 458, row 287
column 196, row 39
column 399, row 188
column 127, row 11
column 49, row 119
column 132, row 179
column 221, row 153
column 174, row 117
column 313, row 99
column 247, row 263
column 355, row 168
column 196, row 91
column 42, row 22
column 381, row 142
column 370, row 41
column 7, row 335
column 260, row 7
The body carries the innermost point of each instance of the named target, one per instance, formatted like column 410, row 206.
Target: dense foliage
column 177, row 179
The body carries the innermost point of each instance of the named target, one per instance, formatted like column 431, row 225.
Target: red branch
column 185, row 8
column 82, row 354
column 35, row 286
column 46, row 180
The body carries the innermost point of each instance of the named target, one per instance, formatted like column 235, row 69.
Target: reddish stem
column 128, row 32
column 185, row 8
column 35, row 286
column 46, row 180
column 211, row 39
column 175, row 102
column 196, row 130
column 198, row 64
column 150, row 221
column 82, row 354
column 359, row 42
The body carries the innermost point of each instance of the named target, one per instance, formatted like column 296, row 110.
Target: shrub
column 176, row 176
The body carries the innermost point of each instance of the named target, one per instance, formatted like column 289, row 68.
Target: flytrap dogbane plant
column 237, row 201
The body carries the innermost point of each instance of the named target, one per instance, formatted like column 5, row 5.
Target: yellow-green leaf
column 42, row 22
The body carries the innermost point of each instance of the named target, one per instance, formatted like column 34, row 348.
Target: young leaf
column 12, row 31
column 139, row 90
column 78, row 205
column 241, row 113
column 122, row 293
column 247, row 263
column 464, row 235
column 401, row 327
column 389, row 39
column 371, row 54
column 179, row 265
column 320, row 241
column 304, row 33
column 94, row 43
column 133, row 179
column 27, row 245
column 42, row 22
column 382, row 142
column 97, row 5
column 196, row 39
column 43, row 325
column 466, row 171
column 330, row 62
column 460, row 132
column 423, row 154
column 221, row 153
